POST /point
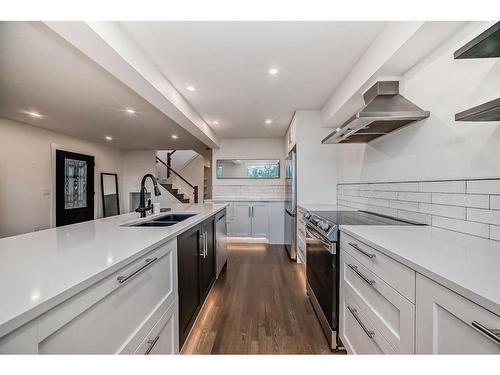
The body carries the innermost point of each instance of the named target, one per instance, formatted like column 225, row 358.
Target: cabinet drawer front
column 392, row 272
column 163, row 337
column 355, row 329
column 391, row 313
column 445, row 322
column 106, row 317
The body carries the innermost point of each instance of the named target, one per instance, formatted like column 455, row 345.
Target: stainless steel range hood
column 385, row 111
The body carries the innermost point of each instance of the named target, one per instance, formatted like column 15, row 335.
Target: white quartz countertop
column 468, row 265
column 40, row 270
column 324, row 207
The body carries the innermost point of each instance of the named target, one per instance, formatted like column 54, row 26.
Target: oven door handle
column 312, row 234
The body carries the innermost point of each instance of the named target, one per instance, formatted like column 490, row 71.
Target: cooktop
column 360, row 218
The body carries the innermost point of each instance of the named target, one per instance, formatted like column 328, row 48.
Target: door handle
column 122, row 279
column 363, row 277
column 206, row 245
column 354, row 313
column 493, row 334
column 202, row 244
column 152, row 344
column 365, row 253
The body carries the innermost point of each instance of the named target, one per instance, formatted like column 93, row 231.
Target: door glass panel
column 75, row 183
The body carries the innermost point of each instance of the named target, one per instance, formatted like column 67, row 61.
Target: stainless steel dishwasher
column 220, row 241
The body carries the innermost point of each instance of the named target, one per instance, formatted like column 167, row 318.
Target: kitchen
column 274, row 197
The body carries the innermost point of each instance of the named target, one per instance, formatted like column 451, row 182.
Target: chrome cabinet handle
column 493, row 334
column 249, row 211
column 152, row 344
column 122, row 279
column 354, row 313
column 202, row 244
column 356, row 246
column 365, row 279
column 206, row 244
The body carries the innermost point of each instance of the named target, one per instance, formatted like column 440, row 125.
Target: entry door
column 74, row 188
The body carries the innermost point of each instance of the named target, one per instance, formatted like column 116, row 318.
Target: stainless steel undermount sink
column 163, row 221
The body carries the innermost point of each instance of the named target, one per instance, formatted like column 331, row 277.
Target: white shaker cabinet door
column 447, row 323
column 260, row 219
column 242, row 220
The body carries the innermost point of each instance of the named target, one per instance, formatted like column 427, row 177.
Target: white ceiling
column 228, row 64
column 39, row 71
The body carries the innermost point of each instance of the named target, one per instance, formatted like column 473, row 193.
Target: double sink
column 163, row 221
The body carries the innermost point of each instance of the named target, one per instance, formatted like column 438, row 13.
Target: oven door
column 321, row 273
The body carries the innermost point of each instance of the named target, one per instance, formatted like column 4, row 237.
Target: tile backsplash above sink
column 466, row 206
column 250, row 192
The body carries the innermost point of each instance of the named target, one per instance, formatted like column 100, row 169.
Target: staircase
column 175, row 192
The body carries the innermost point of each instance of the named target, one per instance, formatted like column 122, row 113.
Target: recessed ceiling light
column 269, row 121
column 273, row 71
column 191, row 88
column 34, row 114
column 174, row 136
column 216, row 122
column 108, row 138
column 130, row 111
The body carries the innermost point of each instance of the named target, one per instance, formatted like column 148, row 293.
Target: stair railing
column 194, row 187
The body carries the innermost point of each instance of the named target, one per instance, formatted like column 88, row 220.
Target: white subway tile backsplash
column 462, row 226
column 409, row 206
column 464, row 200
column 495, row 202
column 414, row 216
column 441, row 210
column 404, row 186
column 483, row 186
column 414, row 197
column 442, row 186
column 483, row 216
column 495, row 232
column 471, row 207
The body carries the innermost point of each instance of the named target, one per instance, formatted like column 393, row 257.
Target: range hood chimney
column 385, row 110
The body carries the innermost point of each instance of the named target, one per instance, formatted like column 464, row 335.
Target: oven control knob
column 324, row 226
column 307, row 215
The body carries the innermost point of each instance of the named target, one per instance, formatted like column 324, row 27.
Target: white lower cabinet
column 164, row 337
column 256, row 220
column 357, row 332
column 136, row 304
column 242, row 219
column 448, row 323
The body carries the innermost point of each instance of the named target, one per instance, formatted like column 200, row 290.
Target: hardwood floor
column 257, row 306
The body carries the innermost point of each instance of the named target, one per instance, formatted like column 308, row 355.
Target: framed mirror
column 110, row 196
column 248, row 168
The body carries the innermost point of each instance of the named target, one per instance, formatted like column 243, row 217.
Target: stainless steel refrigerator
column 291, row 204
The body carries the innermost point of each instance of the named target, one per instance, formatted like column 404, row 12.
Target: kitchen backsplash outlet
column 466, row 206
column 249, row 192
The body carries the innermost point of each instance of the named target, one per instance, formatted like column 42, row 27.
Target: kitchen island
column 100, row 286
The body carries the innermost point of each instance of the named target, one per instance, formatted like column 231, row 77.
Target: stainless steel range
column 323, row 262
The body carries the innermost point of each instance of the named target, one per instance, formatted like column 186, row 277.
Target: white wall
column 249, row 148
column 27, row 174
column 438, row 147
column 316, row 163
